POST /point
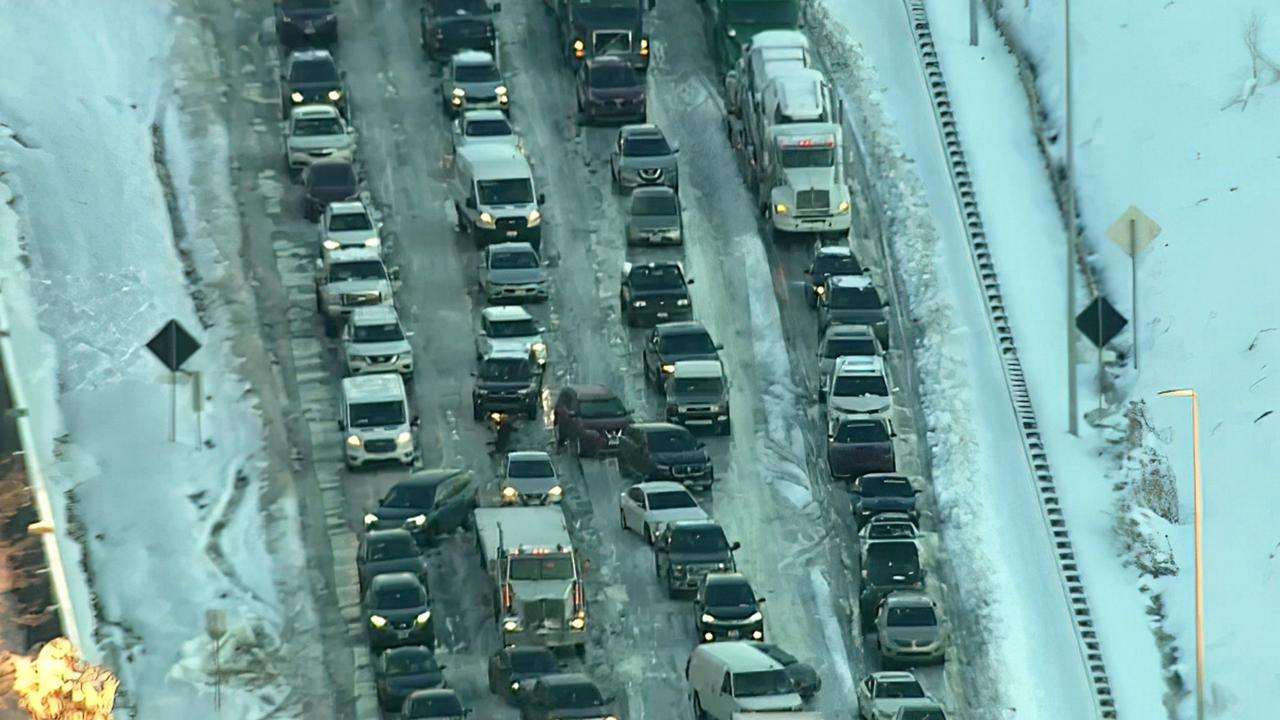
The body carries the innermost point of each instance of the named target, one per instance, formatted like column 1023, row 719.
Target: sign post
column 1133, row 232
column 172, row 346
column 215, row 624
column 1100, row 323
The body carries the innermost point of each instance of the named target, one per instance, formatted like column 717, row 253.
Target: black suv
column 449, row 26
column 398, row 612
column 726, row 608
column 328, row 181
column 507, row 383
column 429, row 504
column 565, row 695
column 861, row 445
column 887, row 566
column 513, row 669
column 877, row 493
column 686, row 550
column 671, row 342
column 311, row 77
column 387, row 551
column 654, row 292
column 664, row 451
column 306, row 23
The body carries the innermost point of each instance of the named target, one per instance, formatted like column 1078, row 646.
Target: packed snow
column 91, row 269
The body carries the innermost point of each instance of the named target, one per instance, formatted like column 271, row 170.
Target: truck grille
column 511, row 223
column 813, row 201
column 650, row 174
column 544, row 613
column 687, row 470
column 361, row 298
column 382, row 359
column 379, row 446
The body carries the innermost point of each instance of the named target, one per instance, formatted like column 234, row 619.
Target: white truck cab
column 697, row 394
column 347, row 279
column 375, row 420
column 495, row 196
column 728, row 678
column 803, row 171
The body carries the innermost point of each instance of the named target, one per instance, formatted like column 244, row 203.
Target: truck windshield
column 777, row 13
column 760, row 683
column 376, row 414
column 541, row 567
column 488, row 128
column 698, row 386
column 807, row 157
column 516, row 191
column 611, row 42
column 358, row 270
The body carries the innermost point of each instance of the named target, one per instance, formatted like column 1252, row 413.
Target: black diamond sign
column 173, row 345
column 1100, row 322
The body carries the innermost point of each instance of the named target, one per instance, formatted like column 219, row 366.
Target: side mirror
column 884, row 306
column 497, row 7
column 444, row 667
column 410, row 333
column 735, row 546
column 541, row 329
column 415, row 422
column 394, row 274
column 342, row 425
column 688, row 281
column 542, row 198
column 380, row 224
column 675, row 149
column 701, row 445
column 760, row 601
column 719, row 346
column 481, row 333
column 470, row 203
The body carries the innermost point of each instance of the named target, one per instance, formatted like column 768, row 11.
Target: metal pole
column 173, row 406
column 1102, row 378
column 1072, row 423
column 973, row 23
column 1199, row 529
column 1133, row 283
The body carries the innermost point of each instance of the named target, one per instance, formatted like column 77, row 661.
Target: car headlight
column 373, row 242
column 755, row 617
column 638, row 303
column 417, row 520
column 708, row 618
column 556, row 491
column 722, row 566
column 370, row 520
column 843, row 207
column 423, row 617
column 781, row 209
column 611, row 717
column 459, row 92
column 668, row 368
column 500, row 90
column 661, row 468
column 487, row 220
column 332, row 245
column 377, row 621
column 644, row 46
column 578, row 623
column 515, row 687
column 539, row 352
column 510, row 493
column 535, row 217
column 354, row 441
column 682, row 302
column 820, row 289
column 335, row 95
column 404, row 438
column 511, row 625
column 296, row 97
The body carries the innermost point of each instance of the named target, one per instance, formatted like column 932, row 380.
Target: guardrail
column 1015, row 380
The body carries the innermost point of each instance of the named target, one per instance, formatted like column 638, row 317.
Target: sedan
column 398, row 612
column 439, row 704
column 328, row 181
column 569, row 695
column 513, row 272
column 514, row 668
column 398, row 672
column 530, row 479
column 317, row 132
column 828, row 260
column 647, row 507
column 910, row 630
column 389, row 551
column 881, row 694
column 654, row 218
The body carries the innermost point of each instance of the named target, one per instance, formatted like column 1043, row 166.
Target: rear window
column 856, row 347
column 392, row 549
column 411, row 663
column 663, row 205
column 861, row 433
column 488, row 128
column 886, row 487
column 847, row 298
column 534, row 662
column 860, row 386
column 331, row 175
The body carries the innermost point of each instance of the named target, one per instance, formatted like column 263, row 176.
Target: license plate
column 513, row 233
column 402, row 634
column 664, row 314
column 733, row 634
column 613, row 441
column 309, row 30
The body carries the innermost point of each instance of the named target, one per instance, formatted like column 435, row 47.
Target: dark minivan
column 861, row 445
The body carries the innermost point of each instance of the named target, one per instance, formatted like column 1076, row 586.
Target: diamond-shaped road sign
column 1100, row 322
column 173, row 345
column 1134, row 231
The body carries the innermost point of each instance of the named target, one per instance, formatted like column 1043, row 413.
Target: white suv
column 374, row 341
column 506, row 328
column 375, row 420
column 858, row 386
column 349, row 224
column 317, row 132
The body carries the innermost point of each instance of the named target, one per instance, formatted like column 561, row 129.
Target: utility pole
column 973, row 23
column 1072, row 239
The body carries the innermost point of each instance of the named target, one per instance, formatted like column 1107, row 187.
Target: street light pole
column 1072, row 240
column 1199, row 533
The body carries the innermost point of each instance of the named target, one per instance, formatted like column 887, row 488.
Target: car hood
column 319, row 142
column 784, row 701
column 731, row 612
column 533, row 485
column 694, row 558
column 819, row 178
column 381, row 567
column 670, row 357
column 518, row 344
column 518, row 276
column 631, row 93
column 662, row 295
column 397, row 347
column 315, row 89
column 504, row 386
column 479, row 89
column 331, row 193
column 682, row 457
column 359, row 286
column 307, row 14
column 665, row 162
column 917, row 635
column 503, row 140
column 663, row 517
column 350, row 237
column 695, row 399
column 861, row 404
column 395, row 514
column 542, row 589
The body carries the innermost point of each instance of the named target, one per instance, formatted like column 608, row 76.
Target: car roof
column 682, row 327
column 395, row 580
column 472, row 57
column 849, row 331
column 654, row 190
column 388, row 534
column 528, row 455
column 726, row 578
column 491, row 160
column 698, row 369
column 649, row 427
column 859, row 365
column 507, row 247
column 743, row 656
column 315, row 110
column 353, row 254
column 346, row 207
column 594, row 392
column 835, row 250
column 654, row 486
column 694, row 525
column 485, row 115
column 565, row 679
column 779, row 38
column 641, row 130
column 607, row 60
column 856, row 282
column 374, row 315
column 893, row 675
column 505, row 313
column 373, row 388
column 909, row 598
column 310, row 55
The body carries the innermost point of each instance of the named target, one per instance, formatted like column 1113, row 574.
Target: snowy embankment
column 1174, row 111
column 118, row 203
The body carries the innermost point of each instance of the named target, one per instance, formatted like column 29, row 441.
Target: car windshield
column 317, row 126
column 480, row 73
column 698, row 386
column 394, row 548
column 672, row 441
column 516, row 191
column 808, row 157
column 899, row 689
column 488, row 128
column 730, row 594
column 761, row 682
column 457, row 7
column 313, row 72
column 513, row 328
column 293, row 6
column 377, row 414
column 663, row 205
column 433, row 706
column 513, row 260
column 342, row 222
column 697, row 343
column 836, row 265
column 534, row 662
column 860, row 386
column 847, row 298
column 779, row 13
column 331, row 175
column 506, row 370
column 357, row 270
column 559, row 567
column 411, row 663
column 386, row 332
column 923, row 714
column 860, row 433
column 539, row 468
column 892, row 560
column 702, row 540
column 645, row 147
column 411, row 496
column 841, row 347
column 886, row 487
column 614, row 75
column 671, row 500
column 911, row 617
column 405, row 598
column 577, row 695
column 601, row 408
column 662, row 277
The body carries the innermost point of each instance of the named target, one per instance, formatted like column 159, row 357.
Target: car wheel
column 533, row 410
column 330, row 326
column 477, row 412
column 698, row 712
column 648, row 534
column 577, row 447
column 622, row 517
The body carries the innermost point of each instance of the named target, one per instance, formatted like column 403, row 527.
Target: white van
column 375, row 420
column 495, row 196
column 726, row 678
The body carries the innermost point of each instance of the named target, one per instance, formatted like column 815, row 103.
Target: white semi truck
column 538, row 593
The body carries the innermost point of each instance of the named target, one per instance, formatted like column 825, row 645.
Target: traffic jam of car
column 782, row 112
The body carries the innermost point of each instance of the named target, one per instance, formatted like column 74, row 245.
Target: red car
column 590, row 419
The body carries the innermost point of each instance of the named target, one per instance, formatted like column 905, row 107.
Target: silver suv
column 374, row 341
column 347, row 279
column 642, row 156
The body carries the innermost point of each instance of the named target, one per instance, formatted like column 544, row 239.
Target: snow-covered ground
column 100, row 245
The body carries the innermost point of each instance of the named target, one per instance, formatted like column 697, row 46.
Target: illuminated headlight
column 487, row 220
column 416, row 521
column 423, row 617
column 456, row 102
column 511, row 625
column 755, row 617
column 556, row 492
column 820, row 290
column 331, row 245
column 668, row 368
column 354, row 441
column 373, row 242
column 644, row 46
column 682, row 302
column 510, row 494
column 722, row 566
column 404, row 438
column 459, row 92
column 732, row 33
column 781, row 209
column 335, row 95
column 757, row 635
column 639, row 303
column 579, row 48
column 500, row 91
column 708, row 636
column 535, row 218
column 539, row 352
column 578, row 623
column 515, row 687
column 370, row 520
column 843, row 207
column 377, row 621
column 708, row 618
column 296, row 97
column 503, row 99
